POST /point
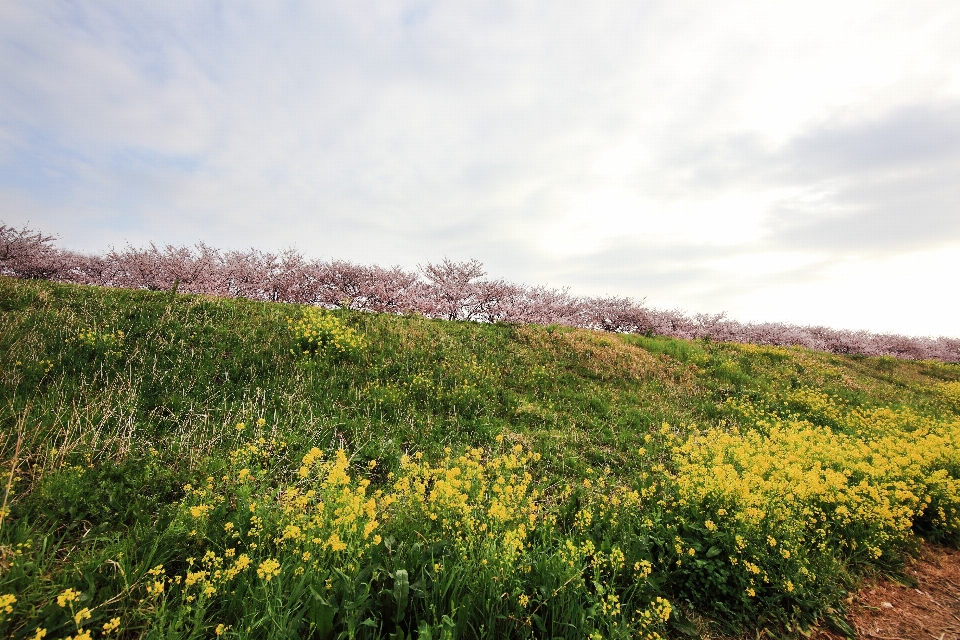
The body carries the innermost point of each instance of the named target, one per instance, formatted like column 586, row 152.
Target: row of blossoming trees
column 449, row 290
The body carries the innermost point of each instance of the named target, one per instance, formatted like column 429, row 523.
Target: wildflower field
column 183, row 466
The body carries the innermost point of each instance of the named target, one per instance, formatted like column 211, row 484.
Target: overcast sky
column 778, row 161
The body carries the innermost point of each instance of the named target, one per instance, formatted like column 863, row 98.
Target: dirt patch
column 928, row 610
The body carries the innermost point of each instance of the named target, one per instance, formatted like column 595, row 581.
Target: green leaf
column 681, row 623
column 321, row 614
column 424, row 632
column 401, row 592
column 837, row 621
column 538, row 621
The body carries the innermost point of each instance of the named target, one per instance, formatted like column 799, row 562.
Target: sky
column 776, row 161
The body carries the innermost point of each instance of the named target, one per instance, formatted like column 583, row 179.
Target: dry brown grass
column 604, row 356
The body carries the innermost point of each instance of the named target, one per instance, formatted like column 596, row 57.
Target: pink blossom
column 449, row 290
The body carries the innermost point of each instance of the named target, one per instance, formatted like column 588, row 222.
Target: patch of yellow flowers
column 319, row 331
column 6, row 603
column 110, row 343
column 856, row 488
column 768, row 497
column 328, row 520
column 950, row 391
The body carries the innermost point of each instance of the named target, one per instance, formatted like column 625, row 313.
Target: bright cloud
column 755, row 158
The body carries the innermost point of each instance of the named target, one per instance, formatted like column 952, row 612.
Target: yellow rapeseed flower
column 268, row 569
column 67, row 597
column 111, row 626
column 200, row 511
column 80, row 616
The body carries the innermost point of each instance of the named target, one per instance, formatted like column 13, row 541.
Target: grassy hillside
column 185, row 466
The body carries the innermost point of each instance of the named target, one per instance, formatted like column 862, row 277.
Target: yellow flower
column 111, row 626
column 200, row 511
column 335, row 543
column 193, row 577
column 616, row 558
column 39, row 634
column 6, row 602
column 241, row 426
column 67, row 597
column 643, row 567
column 268, row 569
column 243, row 561
column 80, row 616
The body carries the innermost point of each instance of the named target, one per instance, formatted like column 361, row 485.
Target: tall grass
column 189, row 466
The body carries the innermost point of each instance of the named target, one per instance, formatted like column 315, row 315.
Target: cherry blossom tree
column 29, row 254
column 449, row 290
column 453, row 291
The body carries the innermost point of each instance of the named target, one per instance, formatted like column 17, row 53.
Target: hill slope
column 188, row 465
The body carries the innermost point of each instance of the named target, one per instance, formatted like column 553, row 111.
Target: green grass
column 111, row 401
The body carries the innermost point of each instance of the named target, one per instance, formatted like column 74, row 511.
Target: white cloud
column 694, row 155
